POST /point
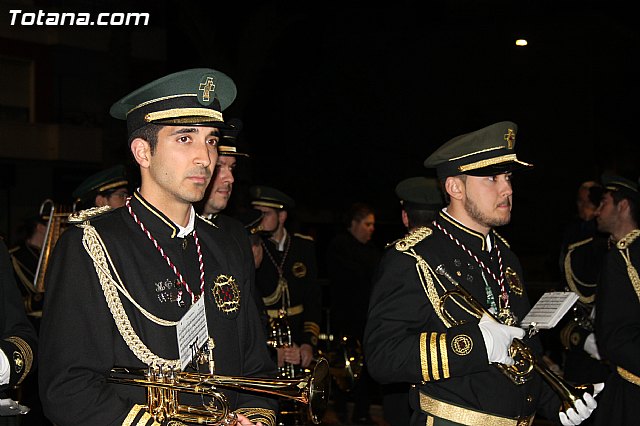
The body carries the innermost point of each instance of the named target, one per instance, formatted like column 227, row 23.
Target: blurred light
column 521, row 42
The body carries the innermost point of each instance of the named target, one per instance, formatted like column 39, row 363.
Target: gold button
column 529, row 398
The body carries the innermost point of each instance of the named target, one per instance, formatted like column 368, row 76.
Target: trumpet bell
column 319, row 391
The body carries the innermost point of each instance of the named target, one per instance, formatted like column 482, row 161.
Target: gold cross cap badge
column 207, row 87
column 195, row 96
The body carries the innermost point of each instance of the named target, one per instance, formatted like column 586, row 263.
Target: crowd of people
column 164, row 278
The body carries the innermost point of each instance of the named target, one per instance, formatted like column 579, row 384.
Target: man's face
column 362, row 230
column 221, row 185
column 271, row 219
column 586, row 209
column 607, row 214
column 181, row 166
column 116, row 199
column 488, row 199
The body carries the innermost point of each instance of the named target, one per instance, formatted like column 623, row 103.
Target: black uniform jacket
column 18, row 335
column 583, row 251
column 80, row 341
column 618, row 332
column 301, row 272
column 406, row 339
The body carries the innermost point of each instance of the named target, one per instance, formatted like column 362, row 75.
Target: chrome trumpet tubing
column 280, row 337
column 525, row 360
column 164, row 387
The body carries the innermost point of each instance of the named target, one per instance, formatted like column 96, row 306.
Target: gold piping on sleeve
column 434, row 356
column 444, row 356
column 628, row 376
column 128, row 421
column 424, row 362
column 144, row 419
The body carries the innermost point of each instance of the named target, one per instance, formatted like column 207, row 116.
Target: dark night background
column 340, row 101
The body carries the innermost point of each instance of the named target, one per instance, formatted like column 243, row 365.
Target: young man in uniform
column 618, row 302
column 421, row 200
column 288, row 276
column 132, row 287
column 107, row 187
column 448, row 358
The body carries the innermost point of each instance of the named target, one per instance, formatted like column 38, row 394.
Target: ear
column 100, row 201
column 454, row 187
column 282, row 216
column 405, row 219
column 141, row 151
column 623, row 205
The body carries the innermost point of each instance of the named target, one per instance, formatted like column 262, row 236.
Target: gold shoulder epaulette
column 628, row 239
column 204, row 219
column 579, row 243
column 413, row 238
column 392, row 243
column 83, row 215
column 306, row 237
column 506, row 243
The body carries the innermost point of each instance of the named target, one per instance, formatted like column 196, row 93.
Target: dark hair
column 420, row 217
column 149, row 133
column 28, row 227
column 357, row 212
column 633, row 203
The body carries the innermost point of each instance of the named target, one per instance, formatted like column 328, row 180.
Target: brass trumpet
column 56, row 223
column 525, row 361
column 164, row 386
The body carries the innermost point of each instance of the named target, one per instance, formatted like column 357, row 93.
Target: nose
column 228, row 174
column 204, row 154
column 596, row 213
column 506, row 188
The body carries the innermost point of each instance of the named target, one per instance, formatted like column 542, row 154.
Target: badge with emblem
column 226, row 294
column 299, row 270
column 18, row 361
column 514, row 282
column 206, row 89
column 461, row 345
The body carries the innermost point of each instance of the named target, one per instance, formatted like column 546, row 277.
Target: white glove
column 590, row 346
column 497, row 339
column 583, row 410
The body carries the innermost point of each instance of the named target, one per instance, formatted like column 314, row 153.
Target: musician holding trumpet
column 458, row 352
column 154, row 287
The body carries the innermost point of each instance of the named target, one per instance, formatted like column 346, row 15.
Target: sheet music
column 550, row 309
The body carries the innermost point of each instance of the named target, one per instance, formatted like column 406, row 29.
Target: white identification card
column 193, row 332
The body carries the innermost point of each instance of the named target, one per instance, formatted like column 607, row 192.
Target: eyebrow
column 214, row 132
